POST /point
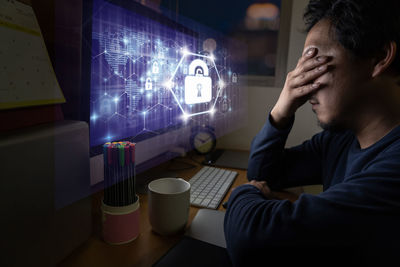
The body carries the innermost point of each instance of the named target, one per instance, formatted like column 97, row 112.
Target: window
column 263, row 25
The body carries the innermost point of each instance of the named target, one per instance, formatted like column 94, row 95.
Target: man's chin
column 332, row 126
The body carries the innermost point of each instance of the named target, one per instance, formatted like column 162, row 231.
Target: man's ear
column 387, row 57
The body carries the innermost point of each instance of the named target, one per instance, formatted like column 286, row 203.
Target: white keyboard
column 209, row 186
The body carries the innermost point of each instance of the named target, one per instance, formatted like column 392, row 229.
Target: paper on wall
column 27, row 77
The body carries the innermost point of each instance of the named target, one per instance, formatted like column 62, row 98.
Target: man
column 350, row 73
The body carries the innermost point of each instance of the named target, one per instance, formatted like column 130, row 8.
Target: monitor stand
column 228, row 158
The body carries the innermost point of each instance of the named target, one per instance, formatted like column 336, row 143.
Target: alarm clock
column 203, row 140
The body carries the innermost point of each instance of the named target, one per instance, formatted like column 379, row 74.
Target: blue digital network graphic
column 147, row 77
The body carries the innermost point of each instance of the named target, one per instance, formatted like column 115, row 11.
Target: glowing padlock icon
column 198, row 85
column 224, row 106
column 234, row 78
column 155, row 68
column 149, row 84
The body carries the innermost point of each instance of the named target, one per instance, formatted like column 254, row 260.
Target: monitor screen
column 146, row 76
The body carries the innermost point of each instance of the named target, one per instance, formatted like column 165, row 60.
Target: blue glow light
column 135, row 43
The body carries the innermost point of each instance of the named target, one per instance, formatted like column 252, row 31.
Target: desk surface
column 149, row 246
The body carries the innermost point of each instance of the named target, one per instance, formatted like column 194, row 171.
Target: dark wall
column 60, row 22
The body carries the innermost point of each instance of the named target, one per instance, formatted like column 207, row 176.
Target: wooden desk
column 149, row 246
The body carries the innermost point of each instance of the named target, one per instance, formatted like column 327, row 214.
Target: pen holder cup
column 120, row 224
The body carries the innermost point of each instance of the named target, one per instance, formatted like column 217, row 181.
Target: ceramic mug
column 169, row 203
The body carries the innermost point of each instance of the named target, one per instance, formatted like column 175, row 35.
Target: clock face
column 203, row 142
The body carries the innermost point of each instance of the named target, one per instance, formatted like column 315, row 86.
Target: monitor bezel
column 87, row 22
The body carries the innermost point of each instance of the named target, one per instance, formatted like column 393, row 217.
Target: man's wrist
column 278, row 121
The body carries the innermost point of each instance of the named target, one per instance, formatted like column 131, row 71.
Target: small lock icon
column 149, row 84
column 155, row 68
column 234, row 78
column 198, row 85
column 224, row 106
column 184, row 69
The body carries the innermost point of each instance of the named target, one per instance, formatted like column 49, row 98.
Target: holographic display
column 150, row 74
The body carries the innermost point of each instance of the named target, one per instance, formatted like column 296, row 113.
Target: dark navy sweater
column 356, row 218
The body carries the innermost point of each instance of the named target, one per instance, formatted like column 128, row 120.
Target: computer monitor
column 150, row 80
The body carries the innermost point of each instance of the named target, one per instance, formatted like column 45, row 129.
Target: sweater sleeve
column 281, row 168
column 364, row 209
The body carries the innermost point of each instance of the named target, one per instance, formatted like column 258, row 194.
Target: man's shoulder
column 391, row 142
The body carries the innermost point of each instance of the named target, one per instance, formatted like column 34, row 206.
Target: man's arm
column 269, row 161
column 363, row 211
column 281, row 168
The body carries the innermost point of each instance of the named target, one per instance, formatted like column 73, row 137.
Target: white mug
column 169, row 203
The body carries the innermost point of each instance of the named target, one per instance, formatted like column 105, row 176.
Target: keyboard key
column 213, row 206
column 214, row 202
column 205, row 202
column 197, row 201
column 209, row 186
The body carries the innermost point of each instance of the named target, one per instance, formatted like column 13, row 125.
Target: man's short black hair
column 363, row 27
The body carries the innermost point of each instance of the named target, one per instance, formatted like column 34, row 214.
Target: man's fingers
column 310, row 64
column 311, row 52
column 262, row 186
column 306, row 89
column 315, row 62
column 307, row 77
